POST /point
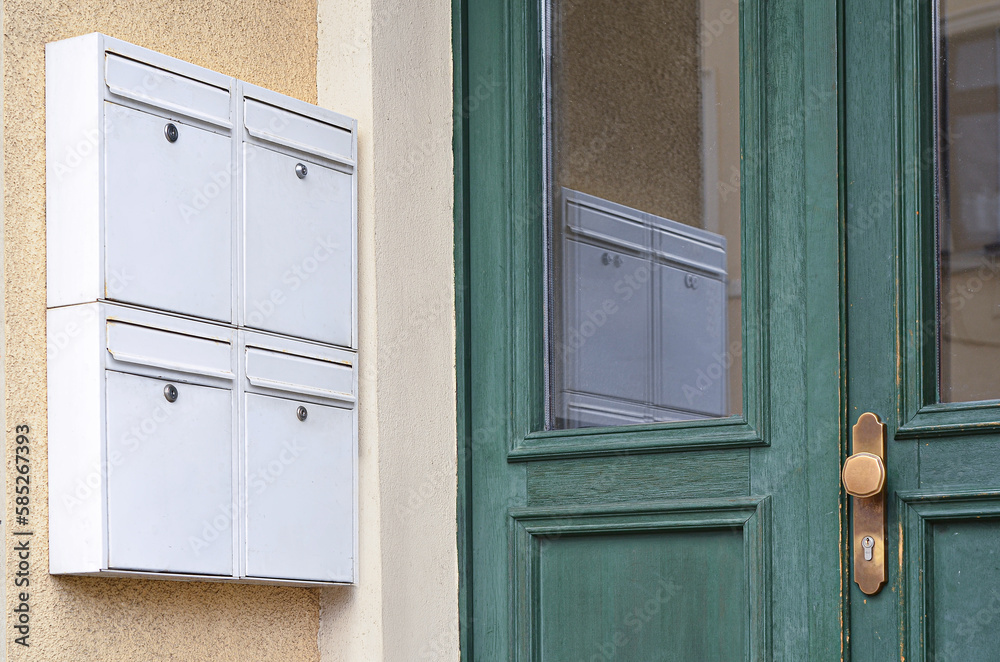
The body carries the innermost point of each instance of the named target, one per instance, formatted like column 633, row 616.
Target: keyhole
column 866, row 544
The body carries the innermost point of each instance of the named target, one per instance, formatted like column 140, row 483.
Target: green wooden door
column 729, row 538
column 923, row 324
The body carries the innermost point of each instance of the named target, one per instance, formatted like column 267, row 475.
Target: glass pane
column 969, row 199
column 643, row 162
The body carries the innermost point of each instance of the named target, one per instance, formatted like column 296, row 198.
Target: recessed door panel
column 643, row 596
column 299, row 490
column 298, row 248
column 965, row 589
column 168, row 220
column 169, row 465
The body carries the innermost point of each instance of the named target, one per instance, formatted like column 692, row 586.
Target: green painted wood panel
column 964, row 608
column 873, row 198
column 950, row 595
column 785, row 451
column 683, row 549
column 676, row 595
column 942, row 460
column 967, row 463
column 839, row 309
column 638, row 478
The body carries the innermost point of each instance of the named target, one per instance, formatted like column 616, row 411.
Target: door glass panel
column 643, row 182
column 969, row 199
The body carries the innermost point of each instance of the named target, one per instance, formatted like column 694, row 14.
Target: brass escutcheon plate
column 869, row 512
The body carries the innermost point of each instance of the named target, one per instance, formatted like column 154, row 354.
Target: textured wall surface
column 272, row 44
column 388, row 63
column 627, row 104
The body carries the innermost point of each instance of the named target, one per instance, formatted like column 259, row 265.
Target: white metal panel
column 607, row 341
column 691, row 339
column 282, row 127
column 76, row 463
column 299, row 491
column 170, row 498
column 169, row 227
column 689, row 248
column 598, row 411
column 73, row 148
column 605, row 221
column 297, row 374
column 142, row 345
column 298, row 248
column 167, row 90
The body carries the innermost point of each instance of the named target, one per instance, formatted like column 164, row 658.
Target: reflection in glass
column 643, row 161
column 969, row 199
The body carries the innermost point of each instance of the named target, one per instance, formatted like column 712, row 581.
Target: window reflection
column 969, row 199
column 644, row 230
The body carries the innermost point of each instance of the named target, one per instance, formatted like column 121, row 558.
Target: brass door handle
column 863, row 477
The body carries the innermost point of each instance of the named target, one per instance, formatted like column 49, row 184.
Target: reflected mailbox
column 642, row 329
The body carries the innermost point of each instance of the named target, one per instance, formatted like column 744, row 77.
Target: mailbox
column 141, row 442
column 298, row 219
column 299, row 460
column 202, row 331
column 138, row 208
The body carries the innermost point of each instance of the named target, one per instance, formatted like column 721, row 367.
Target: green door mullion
column 873, row 193
column 800, row 467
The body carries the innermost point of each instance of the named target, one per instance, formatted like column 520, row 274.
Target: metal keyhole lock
column 867, row 543
column 301, row 170
column 691, row 281
column 170, row 393
column 607, row 259
column 301, row 413
column 171, row 132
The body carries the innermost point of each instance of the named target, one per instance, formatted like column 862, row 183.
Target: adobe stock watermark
column 138, row 434
column 441, row 137
column 712, row 373
column 635, row 621
column 626, row 288
column 959, row 295
column 89, row 143
column 713, row 28
column 971, row 627
column 258, row 481
column 293, row 278
column 220, row 181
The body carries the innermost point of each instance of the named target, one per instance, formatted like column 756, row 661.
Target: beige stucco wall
column 272, row 44
column 388, row 63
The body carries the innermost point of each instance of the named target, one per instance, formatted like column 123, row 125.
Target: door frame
column 773, row 30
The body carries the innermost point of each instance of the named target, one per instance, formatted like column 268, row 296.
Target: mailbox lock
column 301, row 170
column 170, row 393
column 691, row 281
column 170, row 131
column 301, row 413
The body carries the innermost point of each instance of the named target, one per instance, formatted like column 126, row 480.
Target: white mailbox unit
column 202, row 323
